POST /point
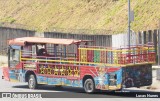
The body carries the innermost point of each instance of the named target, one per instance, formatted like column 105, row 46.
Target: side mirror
column 8, row 50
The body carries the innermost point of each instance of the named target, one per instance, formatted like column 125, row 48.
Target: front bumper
column 5, row 73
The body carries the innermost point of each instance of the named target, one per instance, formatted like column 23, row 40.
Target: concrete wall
column 10, row 33
column 3, row 60
column 121, row 40
column 100, row 40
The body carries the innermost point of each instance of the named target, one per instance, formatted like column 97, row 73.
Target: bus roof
column 39, row 40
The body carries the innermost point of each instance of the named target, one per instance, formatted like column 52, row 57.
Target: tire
column 119, row 90
column 58, row 86
column 89, row 86
column 32, row 82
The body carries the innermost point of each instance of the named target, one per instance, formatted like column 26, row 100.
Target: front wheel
column 89, row 86
column 32, row 82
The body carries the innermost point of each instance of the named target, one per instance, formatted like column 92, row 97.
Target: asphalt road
column 6, row 86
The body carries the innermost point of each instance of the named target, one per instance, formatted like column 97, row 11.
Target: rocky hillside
column 44, row 15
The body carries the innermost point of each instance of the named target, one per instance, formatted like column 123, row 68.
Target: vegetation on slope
column 44, row 15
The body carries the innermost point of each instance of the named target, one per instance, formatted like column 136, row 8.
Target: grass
column 44, row 15
column 8, row 19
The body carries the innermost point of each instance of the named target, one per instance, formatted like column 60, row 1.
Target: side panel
column 72, row 75
column 59, row 74
column 16, row 75
column 110, row 80
column 42, row 79
column 106, row 78
column 136, row 76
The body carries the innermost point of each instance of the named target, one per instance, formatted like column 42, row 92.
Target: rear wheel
column 119, row 90
column 58, row 86
column 89, row 86
column 32, row 82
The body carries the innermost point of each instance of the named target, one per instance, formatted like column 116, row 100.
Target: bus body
column 78, row 63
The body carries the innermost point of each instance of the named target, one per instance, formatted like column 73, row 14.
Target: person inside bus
column 42, row 52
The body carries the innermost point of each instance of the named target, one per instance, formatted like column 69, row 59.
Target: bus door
column 15, row 71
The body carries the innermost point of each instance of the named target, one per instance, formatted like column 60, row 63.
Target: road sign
column 131, row 16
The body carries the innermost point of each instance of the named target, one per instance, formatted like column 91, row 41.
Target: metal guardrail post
column 158, row 73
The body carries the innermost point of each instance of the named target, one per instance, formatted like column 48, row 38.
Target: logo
column 6, row 95
column 21, row 95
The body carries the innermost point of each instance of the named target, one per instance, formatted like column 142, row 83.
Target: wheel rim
column 31, row 82
column 89, row 86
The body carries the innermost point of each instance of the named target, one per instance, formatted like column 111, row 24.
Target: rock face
column 44, row 15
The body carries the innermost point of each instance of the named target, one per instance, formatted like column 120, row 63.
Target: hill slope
column 81, row 14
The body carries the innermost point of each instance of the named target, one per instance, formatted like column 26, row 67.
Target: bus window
column 27, row 51
column 14, row 55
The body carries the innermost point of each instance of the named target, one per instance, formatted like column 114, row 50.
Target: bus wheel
column 58, row 86
column 89, row 86
column 32, row 82
column 119, row 90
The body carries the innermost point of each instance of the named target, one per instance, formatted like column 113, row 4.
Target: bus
column 78, row 63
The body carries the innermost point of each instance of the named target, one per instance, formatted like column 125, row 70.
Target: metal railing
column 117, row 57
column 106, row 56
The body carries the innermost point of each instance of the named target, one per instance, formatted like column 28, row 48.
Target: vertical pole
column 78, row 52
column 139, row 38
column 150, row 36
column 55, row 51
column 144, row 36
column 65, row 53
column 155, row 43
column 9, row 56
column 159, row 45
column 129, row 23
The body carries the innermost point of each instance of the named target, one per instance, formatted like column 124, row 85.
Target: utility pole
column 159, row 45
column 158, row 70
column 129, row 21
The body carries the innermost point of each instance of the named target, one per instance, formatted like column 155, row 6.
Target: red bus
column 78, row 63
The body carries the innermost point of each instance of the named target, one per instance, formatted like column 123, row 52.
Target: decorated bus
column 78, row 63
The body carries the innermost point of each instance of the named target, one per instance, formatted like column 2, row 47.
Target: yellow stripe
column 115, row 50
column 99, row 49
column 73, row 62
column 42, row 83
column 106, row 64
column 13, row 80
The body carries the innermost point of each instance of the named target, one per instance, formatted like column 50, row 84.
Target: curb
column 143, row 90
column 155, row 67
